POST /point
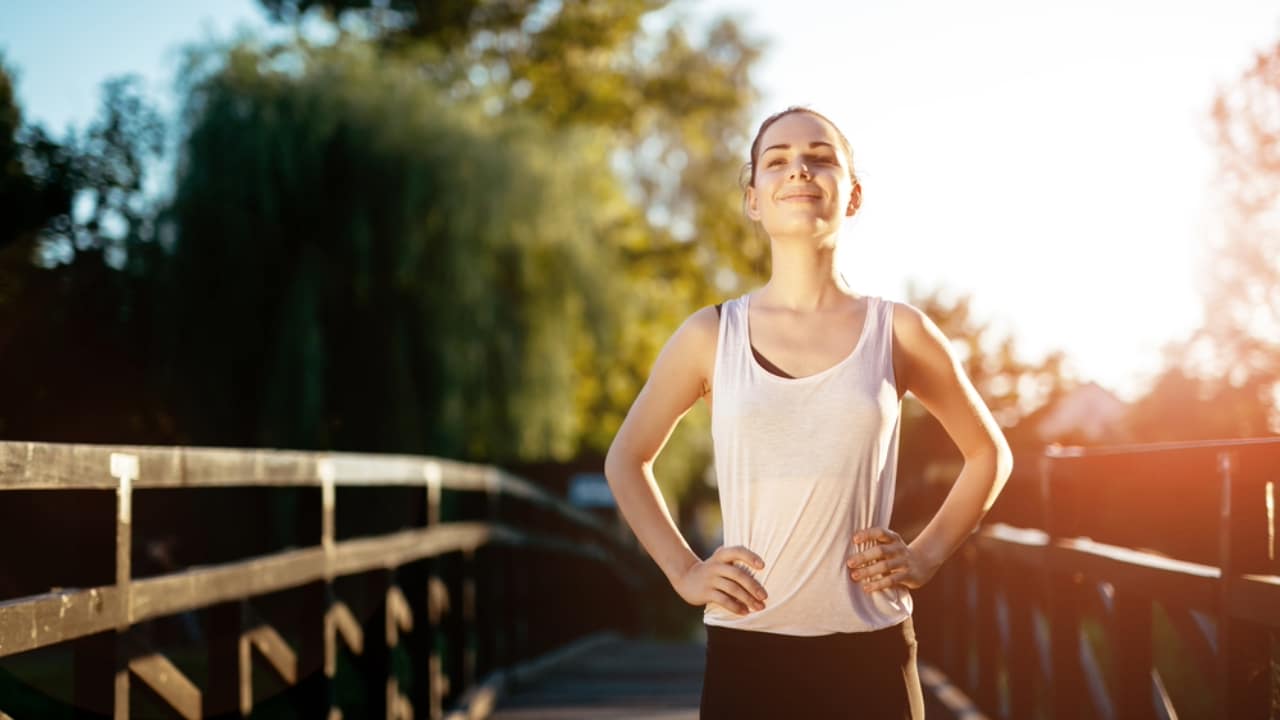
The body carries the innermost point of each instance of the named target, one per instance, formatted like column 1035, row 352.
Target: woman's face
column 802, row 185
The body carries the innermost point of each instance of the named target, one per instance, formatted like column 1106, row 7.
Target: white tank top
column 801, row 464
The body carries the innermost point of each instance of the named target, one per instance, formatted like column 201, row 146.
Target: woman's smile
column 803, row 196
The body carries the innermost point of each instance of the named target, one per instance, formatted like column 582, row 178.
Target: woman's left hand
column 887, row 563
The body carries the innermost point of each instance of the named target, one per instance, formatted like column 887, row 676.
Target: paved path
column 622, row 678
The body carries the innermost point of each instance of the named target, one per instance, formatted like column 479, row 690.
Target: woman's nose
column 799, row 168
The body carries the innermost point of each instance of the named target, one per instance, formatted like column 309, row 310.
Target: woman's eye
column 775, row 162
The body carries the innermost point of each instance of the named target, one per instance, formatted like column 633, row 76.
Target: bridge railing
column 1131, row 582
column 203, row 582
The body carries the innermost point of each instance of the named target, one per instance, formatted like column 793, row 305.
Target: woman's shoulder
column 911, row 325
column 703, row 325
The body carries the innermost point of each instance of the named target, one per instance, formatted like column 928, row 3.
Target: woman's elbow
column 996, row 455
column 1001, row 458
column 617, row 461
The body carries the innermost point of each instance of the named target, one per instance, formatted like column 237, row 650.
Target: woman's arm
column 935, row 377
column 679, row 377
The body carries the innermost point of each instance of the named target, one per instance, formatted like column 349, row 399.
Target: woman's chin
column 806, row 228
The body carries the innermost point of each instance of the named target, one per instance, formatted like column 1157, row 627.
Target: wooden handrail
column 90, row 617
column 1017, row 613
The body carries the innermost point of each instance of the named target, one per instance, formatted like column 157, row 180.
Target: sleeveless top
column 801, row 464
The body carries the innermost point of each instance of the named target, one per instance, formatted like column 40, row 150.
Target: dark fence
column 205, row 582
column 1132, row 582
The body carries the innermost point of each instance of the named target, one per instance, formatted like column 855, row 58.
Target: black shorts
column 860, row 675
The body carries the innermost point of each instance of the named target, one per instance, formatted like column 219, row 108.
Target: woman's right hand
column 718, row 580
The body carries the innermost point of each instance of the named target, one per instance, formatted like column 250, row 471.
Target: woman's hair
column 748, row 176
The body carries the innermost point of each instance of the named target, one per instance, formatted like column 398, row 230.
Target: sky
column 1052, row 160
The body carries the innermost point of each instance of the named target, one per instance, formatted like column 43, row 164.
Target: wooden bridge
column 178, row 582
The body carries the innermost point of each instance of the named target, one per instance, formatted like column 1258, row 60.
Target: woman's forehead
column 798, row 128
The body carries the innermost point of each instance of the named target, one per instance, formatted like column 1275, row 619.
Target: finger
column 874, row 534
column 892, row 578
column 725, row 601
column 737, row 592
column 871, row 571
column 737, row 553
column 730, row 600
column 749, row 583
column 868, row 556
column 883, row 567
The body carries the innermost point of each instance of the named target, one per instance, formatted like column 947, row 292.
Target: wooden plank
column 201, row 587
column 987, row 634
column 1014, row 548
column 1244, row 653
column 399, row 615
column 38, row 621
column 1129, row 635
column 1067, row 674
column 1095, row 683
column 64, row 466
column 340, row 622
column 1185, row 584
column 1255, row 598
column 49, row 466
column 395, row 549
column 1022, row 661
column 41, row 620
column 166, row 680
column 272, row 647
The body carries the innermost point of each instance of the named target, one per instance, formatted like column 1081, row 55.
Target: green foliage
column 672, row 116
column 36, row 173
column 362, row 262
column 466, row 232
column 670, row 113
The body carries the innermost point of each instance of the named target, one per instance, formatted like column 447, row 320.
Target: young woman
column 807, row 603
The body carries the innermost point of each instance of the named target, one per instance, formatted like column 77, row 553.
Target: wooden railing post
column 1022, row 660
column 1129, row 635
column 471, row 631
column 279, row 610
column 987, row 634
column 953, row 610
column 437, row 602
column 125, row 469
column 1066, row 685
column 1244, row 653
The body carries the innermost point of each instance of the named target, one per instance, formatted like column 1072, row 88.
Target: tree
column 1013, row 388
column 1239, row 344
column 1222, row 380
column 74, row 332
column 670, row 114
column 362, row 262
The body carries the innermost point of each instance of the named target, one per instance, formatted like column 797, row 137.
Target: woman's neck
column 804, row 279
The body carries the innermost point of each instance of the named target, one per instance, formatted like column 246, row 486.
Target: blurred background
column 465, row 228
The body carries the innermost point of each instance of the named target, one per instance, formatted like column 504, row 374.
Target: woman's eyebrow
column 784, row 146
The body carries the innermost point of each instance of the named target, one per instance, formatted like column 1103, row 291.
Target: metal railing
column 485, row 571
column 1119, row 583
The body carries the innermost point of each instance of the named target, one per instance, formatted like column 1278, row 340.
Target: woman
column 807, row 603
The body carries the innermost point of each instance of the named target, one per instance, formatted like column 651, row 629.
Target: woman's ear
column 855, row 200
column 749, row 202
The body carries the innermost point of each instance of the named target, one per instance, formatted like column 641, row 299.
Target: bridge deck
column 625, row 678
